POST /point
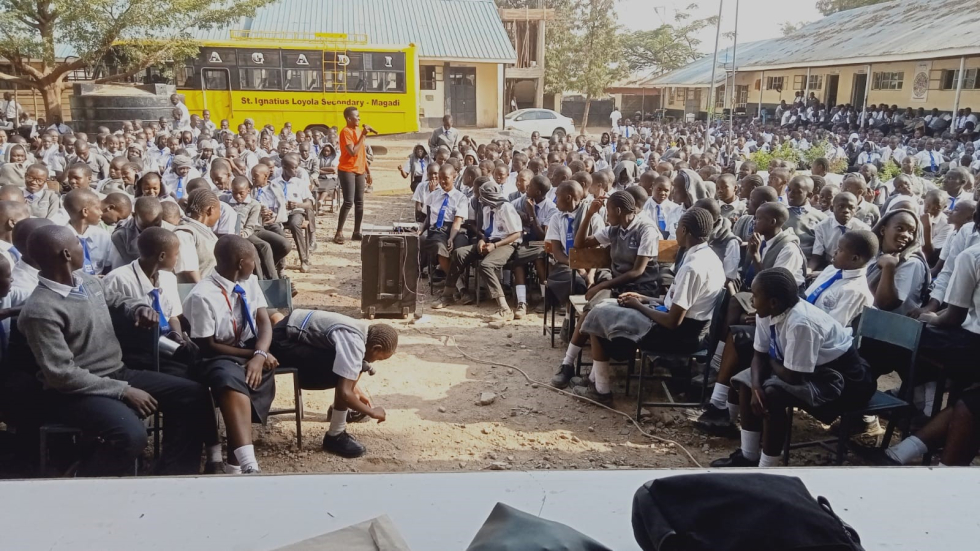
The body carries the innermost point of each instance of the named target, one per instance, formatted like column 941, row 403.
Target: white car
column 545, row 122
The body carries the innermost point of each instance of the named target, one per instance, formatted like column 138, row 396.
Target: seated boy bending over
column 802, row 358
column 677, row 324
column 311, row 340
column 230, row 325
column 68, row 328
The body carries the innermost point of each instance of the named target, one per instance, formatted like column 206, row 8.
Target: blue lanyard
column 774, row 351
column 815, row 295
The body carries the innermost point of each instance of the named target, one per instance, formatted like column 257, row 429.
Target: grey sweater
column 73, row 340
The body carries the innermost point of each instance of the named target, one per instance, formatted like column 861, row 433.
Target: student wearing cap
column 181, row 172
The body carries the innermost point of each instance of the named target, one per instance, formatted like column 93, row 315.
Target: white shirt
column 791, row 258
column 228, row 222
column 544, row 211
column 662, row 214
column 421, row 193
column 214, row 309
column 697, row 283
column 99, row 246
column 673, row 218
column 909, row 277
column 732, row 260
column 457, row 206
column 649, row 245
column 505, row 221
column 25, row 279
column 941, row 229
column 295, row 190
column 964, row 287
column 827, row 234
column 130, row 281
column 957, row 243
column 614, row 117
column 187, row 260
column 806, row 336
column 923, row 158
column 348, row 353
column 561, row 223
column 846, row 297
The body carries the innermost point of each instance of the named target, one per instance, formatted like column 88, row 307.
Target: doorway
column 216, row 85
column 830, row 92
column 462, row 95
column 858, row 90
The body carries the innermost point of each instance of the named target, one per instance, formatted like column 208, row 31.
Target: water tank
column 109, row 105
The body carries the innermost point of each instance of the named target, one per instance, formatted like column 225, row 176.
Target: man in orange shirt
column 351, row 172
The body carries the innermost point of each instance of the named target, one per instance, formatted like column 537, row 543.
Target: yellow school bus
column 307, row 79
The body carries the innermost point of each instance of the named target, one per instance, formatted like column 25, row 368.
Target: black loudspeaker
column 389, row 274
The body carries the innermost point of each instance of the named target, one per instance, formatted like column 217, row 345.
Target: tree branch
column 66, row 68
column 160, row 56
column 17, row 80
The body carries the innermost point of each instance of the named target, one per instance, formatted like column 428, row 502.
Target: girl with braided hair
column 802, row 358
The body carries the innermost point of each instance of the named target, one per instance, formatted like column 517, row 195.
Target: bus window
column 215, row 79
column 186, row 76
column 260, row 79
column 302, row 79
column 395, row 82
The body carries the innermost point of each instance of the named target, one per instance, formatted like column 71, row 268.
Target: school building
column 908, row 53
column 463, row 49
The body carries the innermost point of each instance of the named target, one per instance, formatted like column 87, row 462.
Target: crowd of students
column 804, row 252
column 97, row 233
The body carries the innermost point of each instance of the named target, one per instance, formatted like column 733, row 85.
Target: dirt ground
column 432, row 393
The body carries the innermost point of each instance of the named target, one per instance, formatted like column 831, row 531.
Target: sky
column 757, row 19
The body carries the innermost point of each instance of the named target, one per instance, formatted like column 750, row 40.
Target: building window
column 774, row 83
column 970, row 80
column 720, row 97
column 429, row 75
column 887, row 81
column 798, row 82
column 815, row 83
column 670, row 95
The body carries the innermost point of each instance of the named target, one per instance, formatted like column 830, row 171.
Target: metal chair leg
column 298, row 400
column 639, row 385
column 789, row 437
column 43, row 438
column 630, row 366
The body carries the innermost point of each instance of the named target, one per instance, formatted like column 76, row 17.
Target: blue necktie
column 87, row 266
column 14, row 253
column 774, row 351
column 843, row 229
column 488, row 231
column 952, row 203
column 258, row 194
column 441, row 220
column 30, row 197
column 422, row 164
column 285, row 189
column 812, row 297
column 164, row 324
column 246, row 312
column 180, row 188
column 780, row 198
column 661, row 222
column 569, row 234
column 796, row 210
column 932, row 162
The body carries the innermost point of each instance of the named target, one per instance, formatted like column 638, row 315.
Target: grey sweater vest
column 204, row 241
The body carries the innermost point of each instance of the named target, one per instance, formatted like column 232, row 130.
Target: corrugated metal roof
column 698, row 73
column 449, row 29
column 903, row 30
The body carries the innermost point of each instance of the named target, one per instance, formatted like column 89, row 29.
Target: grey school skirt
column 228, row 372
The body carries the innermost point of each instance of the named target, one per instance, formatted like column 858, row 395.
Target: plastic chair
column 888, row 329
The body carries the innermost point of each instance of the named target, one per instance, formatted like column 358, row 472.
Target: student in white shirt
column 536, row 212
column 11, row 214
column 936, row 228
column 801, row 358
column 446, row 209
column 85, row 212
column 829, row 231
column 501, row 229
column 675, row 325
column 659, row 207
column 299, row 205
column 25, row 271
column 231, row 327
column 901, row 273
column 842, row 290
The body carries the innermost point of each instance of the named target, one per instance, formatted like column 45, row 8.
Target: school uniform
column 808, row 341
column 744, row 227
column 673, row 219
column 96, row 249
column 732, row 211
column 442, row 208
column 958, row 242
column 226, row 310
column 528, row 252
column 867, row 212
column 929, row 161
column 8, row 251
column 957, row 348
column 196, row 253
column 803, row 220
column 327, row 183
column 43, row 203
column 941, row 230
column 500, row 222
column 912, row 279
column 324, row 347
column 953, row 200
column 696, row 286
column 177, row 185
column 640, row 238
column 843, row 294
column 271, row 248
column 561, row 231
column 660, row 213
column 827, row 234
column 25, row 280
column 726, row 246
column 782, row 251
column 85, row 383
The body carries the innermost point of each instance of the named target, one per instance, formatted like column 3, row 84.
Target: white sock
column 719, row 396
column 750, row 444
column 716, row 359
column 929, row 397
column 338, row 422
column 868, row 419
column 521, row 294
column 769, row 460
column 246, row 457
column 214, row 453
column 592, row 375
column 733, row 411
column 544, row 288
column 232, row 469
column 460, row 285
column 907, row 450
column 571, row 355
column 601, row 370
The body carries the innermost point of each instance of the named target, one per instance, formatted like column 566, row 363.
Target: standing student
column 89, row 386
column 197, row 239
column 803, row 219
column 84, row 214
column 828, row 232
column 43, row 202
column 498, row 241
column 351, row 172
column 802, row 358
column 333, row 351
column 414, row 167
column 900, row 277
column 230, row 325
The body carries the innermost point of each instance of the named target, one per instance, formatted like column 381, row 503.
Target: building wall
column 33, row 103
column 432, row 103
column 489, row 84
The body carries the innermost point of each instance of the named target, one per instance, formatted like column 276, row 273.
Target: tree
column 597, row 62
column 828, row 7
column 134, row 34
column 559, row 43
column 789, row 28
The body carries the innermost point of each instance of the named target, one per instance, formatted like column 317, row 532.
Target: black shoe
column 736, row 459
column 591, row 393
column 214, row 467
column 343, row 445
column 715, row 420
column 356, row 236
column 564, row 375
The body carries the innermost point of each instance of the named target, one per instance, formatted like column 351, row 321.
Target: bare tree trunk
column 51, row 95
column 585, row 114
